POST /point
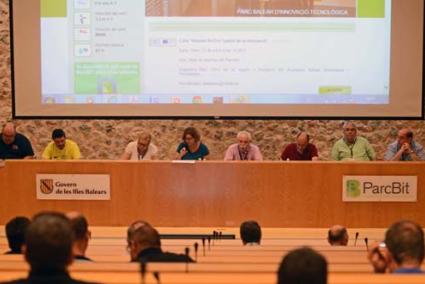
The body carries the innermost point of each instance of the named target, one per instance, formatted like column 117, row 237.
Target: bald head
column 244, row 139
column 338, row 236
column 142, row 238
column 302, row 141
column 8, row 133
column 133, row 227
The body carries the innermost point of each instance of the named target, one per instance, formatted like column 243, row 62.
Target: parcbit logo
column 46, row 186
column 353, row 188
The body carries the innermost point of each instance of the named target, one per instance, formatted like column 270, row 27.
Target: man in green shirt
column 352, row 147
column 61, row 148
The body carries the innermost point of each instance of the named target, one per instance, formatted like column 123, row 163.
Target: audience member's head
column 48, row 242
column 8, row 133
column 143, row 237
column 133, row 227
column 244, row 139
column 350, row 132
column 303, row 266
column 338, row 236
column 15, row 233
column 82, row 235
column 250, row 232
column 403, row 249
column 405, row 241
column 58, row 136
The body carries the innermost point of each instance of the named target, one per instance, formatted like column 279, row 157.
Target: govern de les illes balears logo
column 46, row 186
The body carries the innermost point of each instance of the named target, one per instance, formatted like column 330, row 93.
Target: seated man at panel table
column 61, row 148
column 250, row 232
column 352, row 147
column 403, row 249
column 338, row 236
column 142, row 149
column 303, row 266
column 243, row 150
column 48, row 250
column 302, row 150
column 145, row 246
column 15, row 234
column 82, row 235
column 405, row 148
column 14, row 145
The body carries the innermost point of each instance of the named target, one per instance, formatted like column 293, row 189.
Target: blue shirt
column 198, row 155
column 408, row 270
column 394, row 147
column 19, row 149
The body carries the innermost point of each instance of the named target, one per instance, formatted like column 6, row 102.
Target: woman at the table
column 192, row 148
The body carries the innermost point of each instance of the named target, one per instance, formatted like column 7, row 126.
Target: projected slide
column 215, row 52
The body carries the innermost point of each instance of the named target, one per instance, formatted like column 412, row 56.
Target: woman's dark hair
column 192, row 132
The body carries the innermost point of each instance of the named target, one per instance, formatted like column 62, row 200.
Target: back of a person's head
column 15, row 232
column 80, row 227
column 338, row 236
column 405, row 241
column 49, row 242
column 250, row 232
column 303, row 266
column 146, row 236
column 134, row 226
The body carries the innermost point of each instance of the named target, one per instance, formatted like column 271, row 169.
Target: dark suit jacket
column 157, row 255
column 47, row 277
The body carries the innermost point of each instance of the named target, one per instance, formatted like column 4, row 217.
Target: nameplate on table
column 73, row 187
column 379, row 188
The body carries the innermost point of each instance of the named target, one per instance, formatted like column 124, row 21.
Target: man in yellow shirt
column 61, row 148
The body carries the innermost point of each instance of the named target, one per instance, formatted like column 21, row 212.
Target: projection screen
column 217, row 58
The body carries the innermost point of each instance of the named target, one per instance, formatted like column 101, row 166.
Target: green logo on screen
column 353, row 188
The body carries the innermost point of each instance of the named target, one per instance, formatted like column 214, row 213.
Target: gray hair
column 244, row 133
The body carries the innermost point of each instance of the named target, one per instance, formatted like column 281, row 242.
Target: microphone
column 214, row 236
column 203, row 245
column 186, row 252
column 366, row 240
column 209, row 242
column 143, row 270
column 196, row 251
column 156, row 275
column 355, row 240
column 220, row 235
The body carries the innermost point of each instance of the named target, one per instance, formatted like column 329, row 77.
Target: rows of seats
column 225, row 261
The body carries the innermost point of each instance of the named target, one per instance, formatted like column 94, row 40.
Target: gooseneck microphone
column 355, row 240
column 186, row 252
column 203, row 245
column 143, row 270
column 196, row 250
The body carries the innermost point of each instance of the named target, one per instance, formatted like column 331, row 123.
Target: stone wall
column 106, row 139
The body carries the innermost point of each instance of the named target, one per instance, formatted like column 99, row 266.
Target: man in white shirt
column 142, row 149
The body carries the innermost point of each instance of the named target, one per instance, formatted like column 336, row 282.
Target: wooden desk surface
column 215, row 193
